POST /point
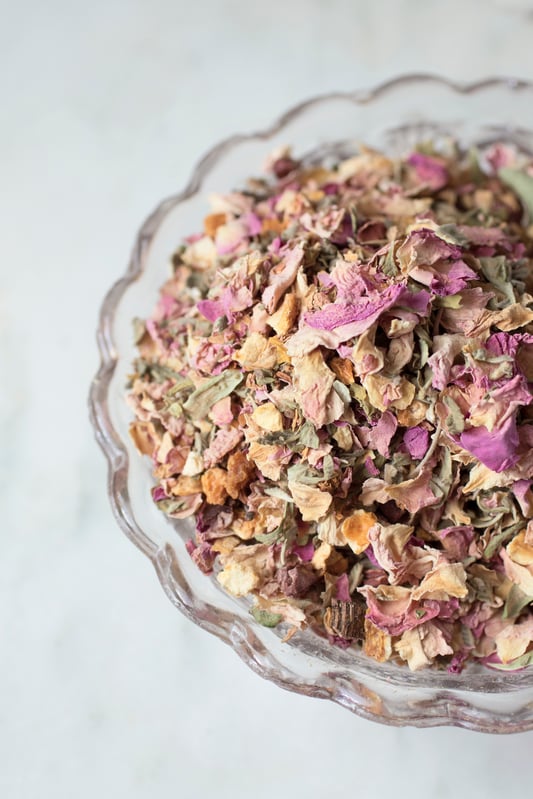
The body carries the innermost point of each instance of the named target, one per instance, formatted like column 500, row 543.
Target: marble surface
column 105, row 688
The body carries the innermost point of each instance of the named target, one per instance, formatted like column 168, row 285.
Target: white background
column 105, row 689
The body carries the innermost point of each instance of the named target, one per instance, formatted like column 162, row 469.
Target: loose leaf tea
column 337, row 384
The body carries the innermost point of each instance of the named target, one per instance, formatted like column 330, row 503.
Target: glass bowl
column 393, row 117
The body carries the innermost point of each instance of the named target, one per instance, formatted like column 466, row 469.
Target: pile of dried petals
column 337, row 382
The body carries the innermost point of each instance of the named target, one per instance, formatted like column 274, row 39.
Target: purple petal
column 357, row 316
column 382, row 433
column 497, row 448
column 429, row 170
column 416, row 441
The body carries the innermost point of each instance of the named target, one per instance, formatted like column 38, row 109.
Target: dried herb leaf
column 158, row 371
column 307, row 435
column 520, row 663
column 265, row 617
column 139, row 329
column 516, row 602
column 451, row 234
column 297, row 440
column 389, row 266
column 496, row 271
column 501, row 538
column 302, row 473
column 216, row 388
column 455, row 421
column 521, row 183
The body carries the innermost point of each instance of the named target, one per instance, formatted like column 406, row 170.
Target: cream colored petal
column 268, row 417
column 444, row 581
column 310, row 501
column 238, row 579
column 522, row 576
column 519, row 551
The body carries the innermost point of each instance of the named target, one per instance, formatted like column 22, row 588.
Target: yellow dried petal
column 164, row 447
column 514, row 640
column 513, row 316
column 310, row 501
column 328, row 531
column 355, row 530
column 444, row 581
column 367, row 358
column 238, row 579
column 413, row 414
column 266, row 458
column 268, row 417
column 284, row 318
column 389, row 392
column 258, row 352
column 522, row 576
column 410, row 648
column 143, row 436
column 225, row 545
column 213, row 483
column 193, row 465
column 212, row 222
column 519, row 551
column 377, row 644
column 320, row 557
column 185, row 486
column 202, row 254
column 343, row 368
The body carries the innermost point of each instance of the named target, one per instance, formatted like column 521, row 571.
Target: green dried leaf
column 163, row 373
column 297, row 440
column 521, row 183
column 482, row 590
column 353, row 217
column 343, row 392
column 181, row 384
column 139, row 329
column 474, row 165
column 265, row 617
column 308, row 436
column 216, row 388
column 388, row 266
column 518, row 663
column 156, row 371
column 279, row 493
column 263, row 378
column 169, row 506
column 303, row 473
column 453, row 301
column 451, row 235
column 501, row 538
column 424, row 352
column 468, row 637
column 220, row 324
column 328, row 467
column 455, row 421
column 516, row 602
column 269, row 538
column 442, row 479
column 358, row 392
column 175, row 409
column 496, row 271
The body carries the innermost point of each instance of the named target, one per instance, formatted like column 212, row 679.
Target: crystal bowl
column 392, row 117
